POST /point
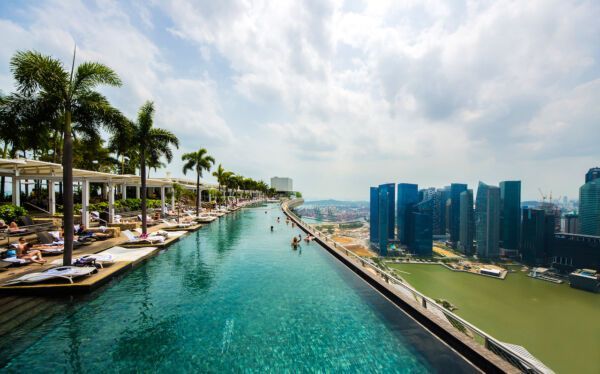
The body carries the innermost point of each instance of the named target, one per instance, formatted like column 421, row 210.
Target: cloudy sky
column 342, row 95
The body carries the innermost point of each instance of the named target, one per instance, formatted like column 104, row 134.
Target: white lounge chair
column 64, row 272
column 100, row 258
column 172, row 224
column 133, row 239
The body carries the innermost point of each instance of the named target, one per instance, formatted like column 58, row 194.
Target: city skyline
column 350, row 92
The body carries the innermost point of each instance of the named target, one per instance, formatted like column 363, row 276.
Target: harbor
column 530, row 307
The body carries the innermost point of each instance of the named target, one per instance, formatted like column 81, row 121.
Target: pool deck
column 129, row 256
column 481, row 358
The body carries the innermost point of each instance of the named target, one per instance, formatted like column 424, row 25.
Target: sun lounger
column 171, row 224
column 14, row 261
column 63, row 272
column 100, row 259
column 133, row 239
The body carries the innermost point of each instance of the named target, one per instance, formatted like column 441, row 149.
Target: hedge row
column 9, row 212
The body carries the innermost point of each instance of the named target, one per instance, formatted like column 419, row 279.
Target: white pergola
column 23, row 169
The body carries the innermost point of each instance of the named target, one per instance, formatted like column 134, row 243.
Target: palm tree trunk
column 197, row 194
column 143, row 177
column 4, row 151
column 68, row 191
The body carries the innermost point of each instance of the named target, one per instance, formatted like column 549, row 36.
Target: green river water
column 556, row 323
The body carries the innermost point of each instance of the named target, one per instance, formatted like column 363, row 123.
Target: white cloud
column 357, row 92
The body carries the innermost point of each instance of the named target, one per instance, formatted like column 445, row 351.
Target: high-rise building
column 467, row 223
column 537, row 230
column 589, row 208
column 439, row 210
column 571, row 223
column 420, row 226
column 455, row 190
column 571, row 251
column 487, row 221
column 374, row 215
column 592, row 174
column 426, row 193
column 386, row 216
column 408, row 195
column 510, row 214
column 282, row 184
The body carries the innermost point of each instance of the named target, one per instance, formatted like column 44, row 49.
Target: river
column 556, row 323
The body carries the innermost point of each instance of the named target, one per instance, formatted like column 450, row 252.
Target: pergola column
column 162, row 199
column 51, row 197
column 137, row 192
column 172, row 198
column 111, row 202
column 85, row 203
column 124, row 192
column 16, row 189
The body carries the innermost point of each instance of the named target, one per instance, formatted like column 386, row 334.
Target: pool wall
column 484, row 360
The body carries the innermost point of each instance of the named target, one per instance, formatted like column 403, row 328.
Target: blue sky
column 341, row 95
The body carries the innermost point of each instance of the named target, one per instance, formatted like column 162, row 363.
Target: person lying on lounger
column 26, row 252
column 13, row 227
column 83, row 233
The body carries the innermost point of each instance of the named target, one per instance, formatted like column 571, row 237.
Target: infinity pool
column 232, row 297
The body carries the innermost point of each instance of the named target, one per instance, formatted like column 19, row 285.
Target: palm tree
column 227, row 182
column 148, row 138
column 220, row 175
column 72, row 97
column 200, row 161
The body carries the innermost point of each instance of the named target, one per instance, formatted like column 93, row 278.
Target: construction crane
column 543, row 196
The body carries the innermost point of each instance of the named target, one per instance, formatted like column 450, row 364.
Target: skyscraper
column 408, row 195
column 537, row 231
column 455, row 190
column 487, row 221
column 374, row 215
column 467, row 223
column 439, row 210
column 386, row 216
column 593, row 173
column 510, row 214
column 420, row 226
column 589, row 208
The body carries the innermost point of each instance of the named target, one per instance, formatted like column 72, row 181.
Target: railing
column 37, row 207
column 524, row 364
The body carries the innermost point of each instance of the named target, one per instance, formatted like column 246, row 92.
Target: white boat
column 63, row 272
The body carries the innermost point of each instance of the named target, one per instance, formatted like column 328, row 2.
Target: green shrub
column 133, row 204
column 9, row 212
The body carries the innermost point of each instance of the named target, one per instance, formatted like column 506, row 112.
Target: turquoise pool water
column 231, row 297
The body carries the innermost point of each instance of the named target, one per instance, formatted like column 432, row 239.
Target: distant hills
column 332, row 202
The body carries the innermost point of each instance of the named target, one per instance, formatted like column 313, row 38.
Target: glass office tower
column 589, row 208
column 386, row 216
column 593, row 173
column 408, row 195
column 510, row 214
column 439, row 210
column 455, row 190
column 467, row 223
column 537, row 232
column 374, row 215
column 420, row 223
column 487, row 221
